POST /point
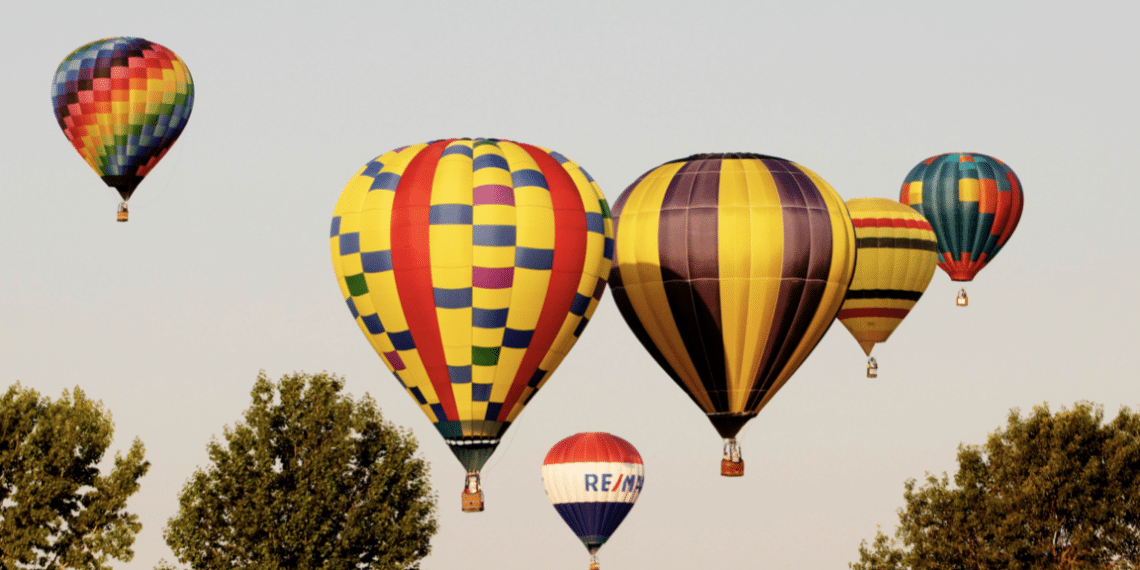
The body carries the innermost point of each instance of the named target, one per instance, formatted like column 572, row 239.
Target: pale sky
column 224, row 268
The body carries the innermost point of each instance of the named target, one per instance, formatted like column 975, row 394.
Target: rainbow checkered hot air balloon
column 472, row 266
column 897, row 253
column 593, row 480
column 973, row 202
column 122, row 102
column 729, row 268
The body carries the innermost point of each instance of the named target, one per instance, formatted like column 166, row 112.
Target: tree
column 311, row 479
column 1047, row 492
column 56, row 509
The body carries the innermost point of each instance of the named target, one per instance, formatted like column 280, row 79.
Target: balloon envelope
column 122, row 102
column 973, row 202
column 471, row 266
column 729, row 268
column 897, row 254
column 593, row 480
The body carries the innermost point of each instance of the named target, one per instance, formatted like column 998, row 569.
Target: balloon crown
column 711, row 155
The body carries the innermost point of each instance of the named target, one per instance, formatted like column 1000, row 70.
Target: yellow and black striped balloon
column 897, row 256
column 729, row 268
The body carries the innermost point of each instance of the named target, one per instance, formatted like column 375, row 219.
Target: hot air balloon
column 897, row 253
column 729, row 268
column 122, row 102
column 472, row 266
column 593, row 480
column 972, row 201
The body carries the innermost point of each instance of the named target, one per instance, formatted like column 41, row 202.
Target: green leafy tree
column 56, row 509
column 1048, row 492
column 311, row 479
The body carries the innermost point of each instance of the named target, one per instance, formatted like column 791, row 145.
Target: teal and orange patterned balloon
column 471, row 266
column 122, row 102
column 973, row 202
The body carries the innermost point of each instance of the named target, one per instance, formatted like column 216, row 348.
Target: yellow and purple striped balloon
column 729, row 268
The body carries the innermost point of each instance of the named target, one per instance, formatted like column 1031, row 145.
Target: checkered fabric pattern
column 122, row 102
column 973, row 201
column 472, row 265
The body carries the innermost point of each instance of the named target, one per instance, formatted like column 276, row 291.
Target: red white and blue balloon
column 593, row 479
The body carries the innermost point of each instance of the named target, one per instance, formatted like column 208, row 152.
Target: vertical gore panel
column 687, row 242
column 411, row 211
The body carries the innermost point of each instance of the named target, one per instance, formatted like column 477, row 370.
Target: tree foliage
column 311, row 479
column 1047, row 492
column 56, row 509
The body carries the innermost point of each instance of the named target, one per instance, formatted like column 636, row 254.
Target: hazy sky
column 224, row 268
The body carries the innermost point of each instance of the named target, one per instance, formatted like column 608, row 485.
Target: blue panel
column 490, row 161
column 439, row 413
column 373, row 168
column 402, row 340
column 493, row 235
column 536, row 378
column 376, row 261
column 586, row 174
column 349, row 243
column 533, row 258
column 608, row 248
column 450, row 214
column 459, row 374
column 458, row 148
column 594, row 523
column 419, row 396
column 493, row 410
column 558, row 156
column 488, row 318
column 352, row 307
column 580, row 304
column 385, row 181
column 373, row 323
column 581, row 327
column 481, row 392
column 513, row 338
column 595, row 223
column 528, row 177
column 452, row 298
column 335, row 228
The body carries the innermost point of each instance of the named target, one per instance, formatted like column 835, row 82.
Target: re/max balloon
column 471, row 266
column 729, row 268
column 122, row 102
column 593, row 480
column 897, row 253
column 973, row 202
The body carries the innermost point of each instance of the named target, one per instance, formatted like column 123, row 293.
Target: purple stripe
column 492, row 277
column 493, row 194
column 807, row 261
column 687, row 242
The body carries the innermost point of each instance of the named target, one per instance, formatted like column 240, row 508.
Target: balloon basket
column 121, row 215
column 731, row 465
column 473, row 502
column 594, row 562
column 729, row 468
column 962, row 300
column 872, row 368
column 472, row 494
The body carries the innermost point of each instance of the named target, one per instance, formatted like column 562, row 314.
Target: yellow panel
column 638, row 262
column 493, row 256
column 509, row 361
column 914, row 190
column 535, row 226
column 526, row 298
column 968, row 190
column 450, row 246
column 494, row 214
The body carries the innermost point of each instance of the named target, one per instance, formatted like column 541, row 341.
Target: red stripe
column 1015, row 207
column 411, row 266
column 872, row 312
column 592, row 447
column 891, row 223
column 566, row 272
